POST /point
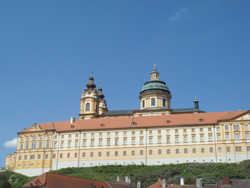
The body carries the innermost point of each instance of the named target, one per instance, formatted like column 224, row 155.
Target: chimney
column 163, row 183
column 199, row 182
column 72, row 119
column 182, row 181
column 225, row 181
column 126, row 179
column 159, row 179
column 118, row 178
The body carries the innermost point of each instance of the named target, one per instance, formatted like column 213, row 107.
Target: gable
column 244, row 117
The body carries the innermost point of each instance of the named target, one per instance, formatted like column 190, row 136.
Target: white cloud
column 182, row 14
column 11, row 144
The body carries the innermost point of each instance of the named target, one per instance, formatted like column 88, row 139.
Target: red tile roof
column 51, row 180
column 142, row 121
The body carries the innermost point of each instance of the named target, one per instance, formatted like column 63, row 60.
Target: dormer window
column 152, row 101
column 87, row 107
column 168, row 122
column 201, row 120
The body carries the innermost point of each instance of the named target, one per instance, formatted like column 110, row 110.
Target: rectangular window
column 69, row 135
column 107, row 153
column 193, row 130
column 84, row 135
column 150, row 132
column 91, row 154
column 177, row 151
column 248, row 148
column 116, row 133
column 185, row 139
column 202, row 138
column 75, row 154
column 141, row 141
column 100, row 134
column 125, row 142
column 184, row 130
column 209, row 129
column 211, row 150
column 168, row 140
column 100, row 142
column 164, row 102
column 176, row 139
column 159, row 152
column 116, row 142
column 21, row 146
column 69, row 144
column 150, row 140
column 210, row 138
column 62, row 136
column 61, row 144
column 39, row 156
column 194, row 150
column 193, row 138
column 116, row 153
column 84, row 143
column 133, row 141
column 247, row 135
column 228, row 149
column 141, row 132
column 219, row 149
column 201, row 129
column 100, row 154
column 141, row 152
column 133, row 132
column 236, row 127
column 152, row 101
column 83, row 154
column 47, row 144
column 76, row 143
column 168, row 151
column 143, row 103
column 202, row 150
column 150, row 152
column 185, row 150
column 227, row 136
column 124, row 133
column 55, row 144
column 27, row 146
column 176, row 130
column 226, row 127
column 168, row 131
column 92, row 134
column 218, row 128
column 237, row 136
column 218, row 137
column 133, row 153
column 124, row 153
column 159, row 140
column 159, row 131
column 246, row 126
column 92, row 143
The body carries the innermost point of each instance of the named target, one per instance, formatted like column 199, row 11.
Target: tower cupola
column 91, row 84
column 155, row 93
column 100, row 94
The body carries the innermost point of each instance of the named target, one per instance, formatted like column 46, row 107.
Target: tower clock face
column 89, row 92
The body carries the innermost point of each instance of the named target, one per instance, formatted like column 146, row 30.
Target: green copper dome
column 154, row 85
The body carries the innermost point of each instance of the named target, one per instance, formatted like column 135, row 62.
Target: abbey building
column 152, row 135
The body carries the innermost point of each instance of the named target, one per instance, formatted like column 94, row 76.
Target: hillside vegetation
column 210, row 172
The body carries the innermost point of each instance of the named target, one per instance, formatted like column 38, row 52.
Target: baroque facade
column 152, row 135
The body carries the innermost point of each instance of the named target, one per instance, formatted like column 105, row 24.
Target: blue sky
column 49, row 48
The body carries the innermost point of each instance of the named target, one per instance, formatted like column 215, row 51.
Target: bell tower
column 102, row 102
column 89, row 101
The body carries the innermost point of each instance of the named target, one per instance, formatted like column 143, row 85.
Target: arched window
column 143, row 103
column 152, row 101
column 87, row 107
column 226, row 127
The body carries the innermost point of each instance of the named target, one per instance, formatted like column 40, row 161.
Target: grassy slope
column 210, row 172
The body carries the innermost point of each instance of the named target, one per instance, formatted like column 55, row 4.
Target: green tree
column 6, row 184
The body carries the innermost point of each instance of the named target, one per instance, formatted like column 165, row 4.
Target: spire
column 91, row 84
column 100, row 94
column 196, row 103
